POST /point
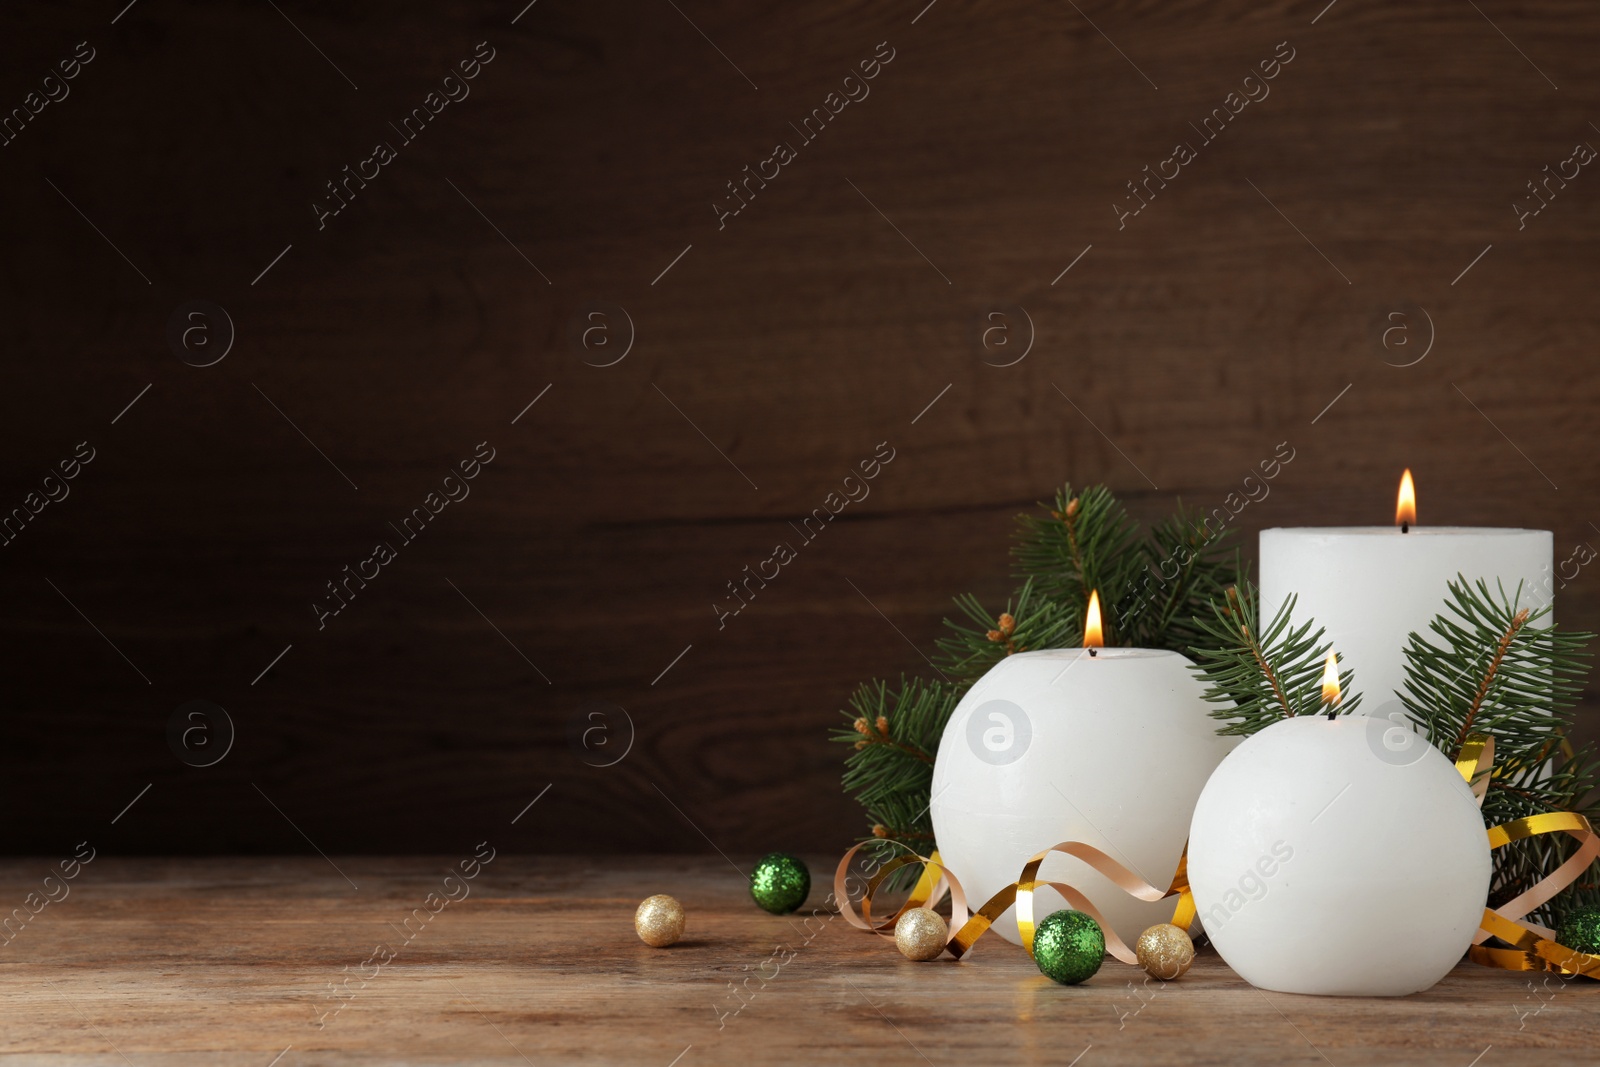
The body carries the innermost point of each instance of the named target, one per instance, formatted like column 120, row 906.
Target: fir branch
column 1030, row 621
column 877, row 733
column 1086, row 541
column 1186, row 568
column 1489, row 666
column 1518, row 621
column 893, row 734
column 888, row 833
column 1151, row 585
column 1260, row 676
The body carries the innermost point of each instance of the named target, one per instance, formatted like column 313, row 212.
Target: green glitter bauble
column 780, row 882
column 1580, row 929
column 1069, row 946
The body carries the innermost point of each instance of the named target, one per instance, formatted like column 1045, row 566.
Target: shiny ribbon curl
column 1534, row 947
column 936, row 879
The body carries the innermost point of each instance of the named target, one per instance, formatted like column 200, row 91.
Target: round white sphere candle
column 1343, row 857
column 1054, row 746
column 1370, row 587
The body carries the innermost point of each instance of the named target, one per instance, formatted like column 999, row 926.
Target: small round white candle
column 1110, row 749
column 1371, row 586
column 1339, row 856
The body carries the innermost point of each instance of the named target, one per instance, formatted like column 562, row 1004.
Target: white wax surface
column 1371, row 586
column 1055, row 746
column 1342, row 857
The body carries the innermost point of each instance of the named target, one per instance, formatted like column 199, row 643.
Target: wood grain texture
column 782, row 348
column 231, row 961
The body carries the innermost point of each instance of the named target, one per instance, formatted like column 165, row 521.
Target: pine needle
column 1260, row 676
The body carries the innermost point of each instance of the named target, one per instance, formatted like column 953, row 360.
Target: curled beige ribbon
column 929, row 890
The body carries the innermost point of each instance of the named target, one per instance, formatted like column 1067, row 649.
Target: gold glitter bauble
column 1164, row 951
column 659, row 920
column 920, row 934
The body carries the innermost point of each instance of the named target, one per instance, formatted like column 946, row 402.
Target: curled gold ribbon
column 1475, row 761
column 936, row 878
column 1534, row 947
column 1021, row 893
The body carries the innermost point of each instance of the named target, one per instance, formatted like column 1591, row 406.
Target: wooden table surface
column 231, row 961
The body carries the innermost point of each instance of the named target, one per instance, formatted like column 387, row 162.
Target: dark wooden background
column 1190, row 343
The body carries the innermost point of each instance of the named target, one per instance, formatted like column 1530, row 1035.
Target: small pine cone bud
column 1008, row 624
column 996, row 636
column 861, row 744
column 1072, row 508
column 861, row 726
column 883, row 726
column 1056, row 515
column 880, row 830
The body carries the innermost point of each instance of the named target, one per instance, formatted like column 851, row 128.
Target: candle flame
column 1093, row 632
column 1330, row 680
column 1405, row 506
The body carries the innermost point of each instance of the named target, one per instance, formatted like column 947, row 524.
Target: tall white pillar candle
column 1371, row 586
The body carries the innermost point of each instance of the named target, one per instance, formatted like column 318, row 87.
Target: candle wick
column 1405, row 527
column 1093, row 652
